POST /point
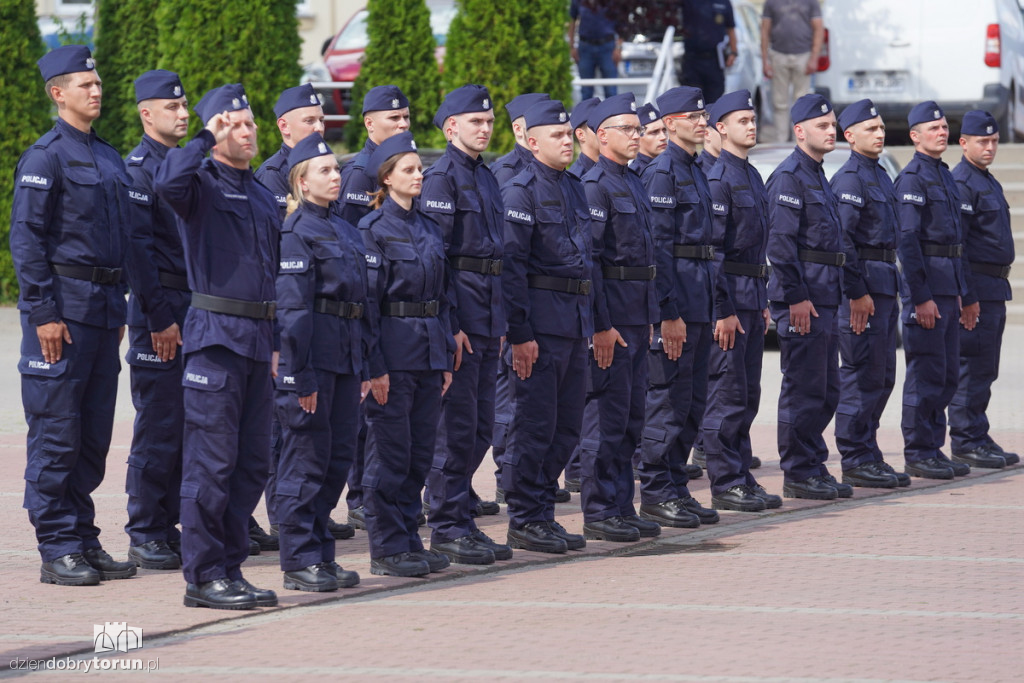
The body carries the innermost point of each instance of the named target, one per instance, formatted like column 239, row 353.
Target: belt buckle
column 270, row 309
column 430, row 308
column 841, row 258
column 583, row 287
column 652, row 272
column 356, row 311
column 494, row 267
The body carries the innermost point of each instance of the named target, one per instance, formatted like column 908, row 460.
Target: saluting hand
column 51, row 336
column 220, row 125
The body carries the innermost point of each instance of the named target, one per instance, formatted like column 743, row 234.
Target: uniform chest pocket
column 554, row 235
column 81, row 199
column 469, row 202
column 686, row 193
column 989, row 202
column 327, row 250
column 743, row 199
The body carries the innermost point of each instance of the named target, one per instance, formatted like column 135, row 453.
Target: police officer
column 678, row 359
column 654, row 139
column 709, row 44
column 740, row 235
column 299, row 113
column 867, row 345
column 410, row 359
column 67, row 219
column 462, row 196
column 156, row 313
column 625, row 307
column 589, row 146
column 385, row 114
column 988, row 245
column 712, row 145
column 806, row 248
column 548, row 269
column 934, row 284
column 323, row 373
column 230, row 226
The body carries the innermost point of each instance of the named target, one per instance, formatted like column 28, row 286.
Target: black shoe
column 339, row 530
column 175, row 546
column 813, row 488
column 537, row 537
column 274, row 530
column 69, row 570
column 693, row 471
column 344, row 577
column 573, row 541
column 265, row 540
column 739, row 498
column 842, row 490
column 499, row 496
column 357, row 517
column 870, row 476
column 264, row 596
column 402, row 564
column 562, row 496
column 670, row 514
column 435, row 561
column 254, row 548
column 108, row 567
column 929, row 468
column 699, row 458
column 421, row 520
column 647, row 529
column 219, row 594
column 1010, row 458
column 902, row 478
column 613, row 529
column 690, row 504
column 572, row 485
column 482, row 507
column 500, row 550
column 980, row 457
column 464, row 550
column 154, row 555
column 771, row 501
column 959, row 469
column 755, row 462
column 312, row 579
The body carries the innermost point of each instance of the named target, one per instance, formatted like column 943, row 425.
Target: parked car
column 343, row 54
column 900, row 53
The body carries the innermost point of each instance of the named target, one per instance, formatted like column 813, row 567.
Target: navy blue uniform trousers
column 979, row 367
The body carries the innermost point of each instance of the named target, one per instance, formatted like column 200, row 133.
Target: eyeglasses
column 693, row 117
column 630, row 131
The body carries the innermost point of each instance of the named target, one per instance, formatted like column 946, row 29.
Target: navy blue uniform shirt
column 357, row 187
column 509, row 166
column 928, row 200
column 706, row 161
column 70, row 196
column 273, row 173
column 462, row 196
column 547, row 232
column 988, row 238
column 230, row 231
column 581, row 167
column 867, row 214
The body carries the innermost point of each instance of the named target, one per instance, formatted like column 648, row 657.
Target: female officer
column 323, row 372
column 410, row 360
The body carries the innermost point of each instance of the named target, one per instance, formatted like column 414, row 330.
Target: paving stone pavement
column 918, row 584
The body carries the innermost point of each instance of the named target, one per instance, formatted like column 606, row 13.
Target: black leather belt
column 341, row 309
column 701, row 251
column 412, row 309
column 101, row 276
column 747, row 269
column 991, row 269
column 568, row 285
column 872, row 254
column 629, row 272
column 944, row 250
column 172, row 281
column 484, row 266
column 260, row 310
column 825, row 258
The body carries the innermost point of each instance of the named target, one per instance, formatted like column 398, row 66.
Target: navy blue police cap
column 520, row 103
column 648, row 114
column 468, row 99
column 924, row 112
column 861, row 110
column 230, row 97
column 616, row 105
column 978, row 122
column 738, row 100
column 296, row 98
column 396, row 144
column 809, row 106
column 158, row 84
column 67, row 59
column 679, row 99
column 384, row 98
column 309, row 147
column 581, row 112
column 546, row 113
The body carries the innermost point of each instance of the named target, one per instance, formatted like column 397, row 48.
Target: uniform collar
column 864, row 160
column 805, row 160
column 68, row 130
column 391, row 208
column 155, row 147
column 733, row 160
column 928, row 159
column 461, row 157
column 231, row 173
column 982, row 171
column 315, row 209
column 611, row 166
column 679, row 154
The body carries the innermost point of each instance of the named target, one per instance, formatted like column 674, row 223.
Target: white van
column 963, row 55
